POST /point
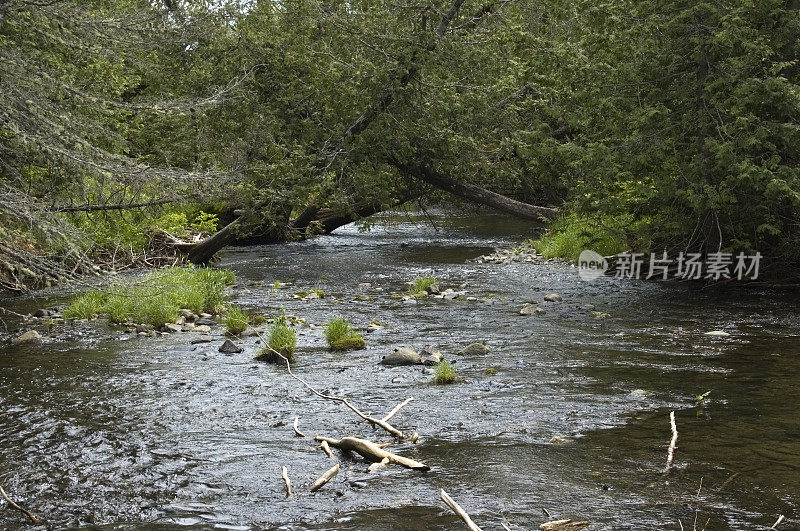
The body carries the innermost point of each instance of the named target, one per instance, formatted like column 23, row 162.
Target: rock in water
column 430, row 356
column 717, row 333
column 553, row 297
column 402, row 356
column 229, row 347
column 433, row 289
column 204, row 321
column 172, row 327
column 531, row 309
column 599, row 315
column 474, row 349
column 27, row 337
column 42, row 313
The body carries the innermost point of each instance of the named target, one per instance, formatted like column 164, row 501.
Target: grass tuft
column 572, row 234
column 157, row 297
column 445, row 373
column 283, row 339
column 236, row 320
column 341, row 335
column 420, row 284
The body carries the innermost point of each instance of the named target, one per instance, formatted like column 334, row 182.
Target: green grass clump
column 157, row 297
column 572, row 234
column 283, row 339
column 341, row 335
column 420, row 284
column 85, row 306
column 236, row 320
column 445, row 373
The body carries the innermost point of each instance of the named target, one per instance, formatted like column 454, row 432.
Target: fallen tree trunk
column 372, row 452
column 476, row 194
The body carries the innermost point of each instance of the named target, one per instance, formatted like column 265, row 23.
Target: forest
column 129, row 127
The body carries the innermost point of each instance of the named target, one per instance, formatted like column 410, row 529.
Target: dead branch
column 285, row 476
column 372, row 420
column 673, row 442
column 563, row 525
column 450, row 502
column 382, row 464
column 326, row 449
column 118, row 206
column 296, row 429
column 776, row 524
column 397, row 409
column 372, row 452
column 324, row 478
column 17, row 507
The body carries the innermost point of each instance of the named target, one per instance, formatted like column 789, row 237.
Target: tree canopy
column 674, row 124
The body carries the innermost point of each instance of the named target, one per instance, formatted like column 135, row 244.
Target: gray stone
column 402, row 356
column 189, row 315
column 188, row 327
column 203, row 329
column 717, row 333
column 229, row 347
column 172, row 327
column 27, row 337
column 205, row 321
column 553, row 297
column 474, row 349
column 433, row 289
column 202, row 339
column 430, row 356
column 42, row 313
column 531, row 309
column 143, row 328
column 599, row 315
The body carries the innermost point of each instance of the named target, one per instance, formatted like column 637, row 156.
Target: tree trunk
column 475, row 194
column 206, row 249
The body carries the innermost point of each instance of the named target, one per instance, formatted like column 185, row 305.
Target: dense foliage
column 665, row 124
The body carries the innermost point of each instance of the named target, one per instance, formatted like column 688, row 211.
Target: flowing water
column 107, row 430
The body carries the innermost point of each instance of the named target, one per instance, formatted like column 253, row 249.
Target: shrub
column 236, row 320
column 420, row 284
column 445, row 373
column 572, row 234
column 341, row 335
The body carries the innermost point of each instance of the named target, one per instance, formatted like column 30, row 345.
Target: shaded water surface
column 103, row 429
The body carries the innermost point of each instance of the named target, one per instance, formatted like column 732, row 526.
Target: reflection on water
column 161, row 434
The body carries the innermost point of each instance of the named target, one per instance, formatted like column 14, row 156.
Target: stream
column 103, row 429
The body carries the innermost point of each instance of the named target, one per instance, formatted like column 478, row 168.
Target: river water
column 105, row 430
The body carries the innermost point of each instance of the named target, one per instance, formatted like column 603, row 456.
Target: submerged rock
column 474, row 349
column 599, row 315
column 202, row 339
column 532, row 309
column 717, row 333
column 553, row 297
column 27, row 337
column 402, row 356
column 373, row 326
column 42, row 312
column 205, row 321
column 229, row 347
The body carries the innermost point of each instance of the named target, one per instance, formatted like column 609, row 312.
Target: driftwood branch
column 324, row 478
column 372, row 452
column 296, row 429
column 326, row 449
column 776, row 524
column 450, row 502
column 673, row 442
column 13, row 504
column 563, row 525
column 397, row 409
column 382, row 464
column 285, row 476
column 372, row 420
